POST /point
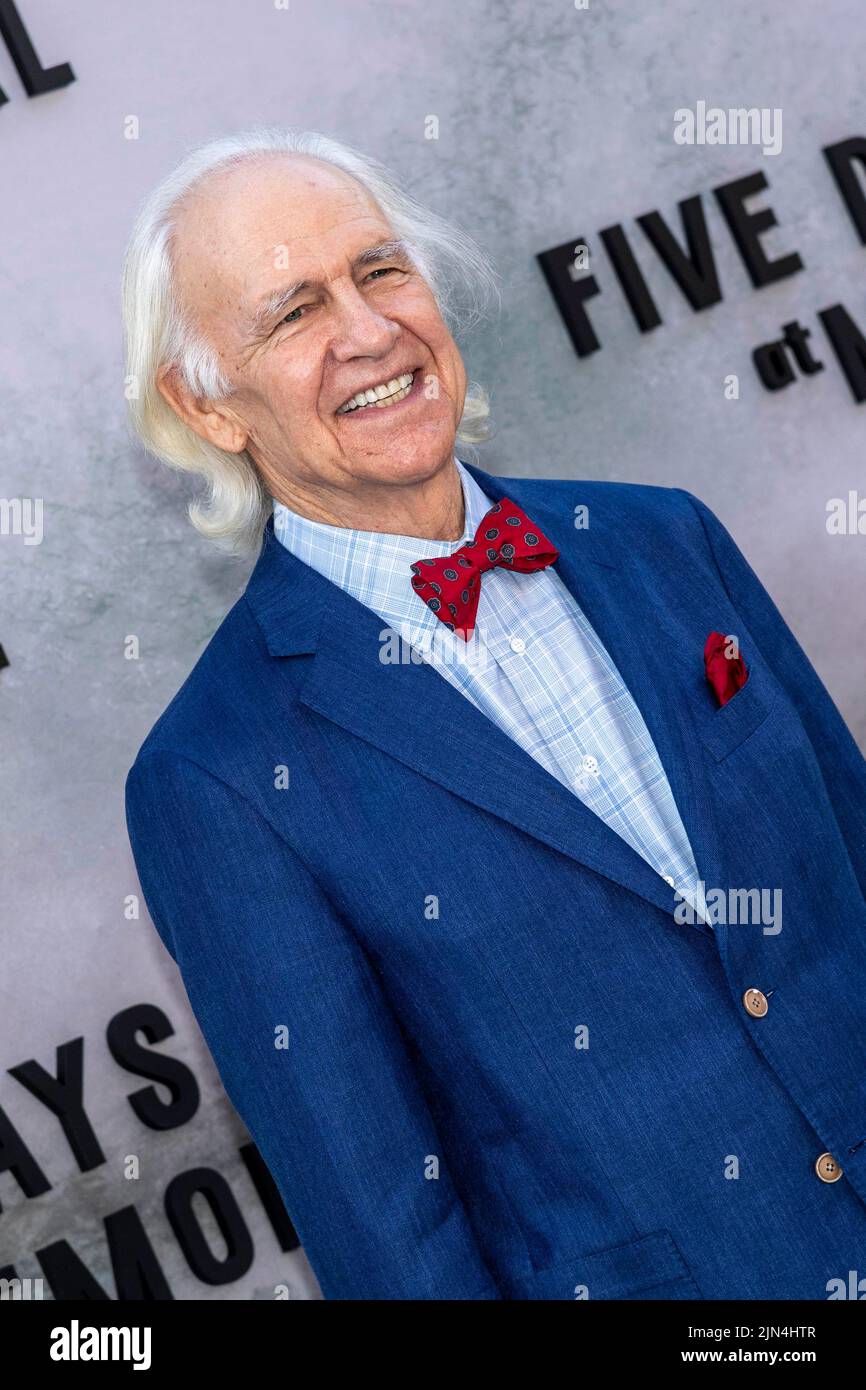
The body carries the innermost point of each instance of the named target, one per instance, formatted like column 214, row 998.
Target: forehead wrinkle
column 220, row 270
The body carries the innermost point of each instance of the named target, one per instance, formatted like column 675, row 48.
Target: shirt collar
column 372, row 566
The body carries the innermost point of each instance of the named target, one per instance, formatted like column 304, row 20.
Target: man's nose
column 359, row 329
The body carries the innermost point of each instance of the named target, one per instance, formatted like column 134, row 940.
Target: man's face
column 253, row 233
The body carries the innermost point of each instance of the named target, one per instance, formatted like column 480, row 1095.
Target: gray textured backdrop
column 553, row 122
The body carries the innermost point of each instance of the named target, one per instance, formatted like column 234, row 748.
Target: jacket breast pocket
column 724, row 729
column 650, row 1267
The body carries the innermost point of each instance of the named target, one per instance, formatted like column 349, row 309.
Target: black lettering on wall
column 137, row 1271
column 128, row 1052
column 628, row 272
column 36, row 79
column 67, row 1275
column 16, row 1158
column 64, row 1097
column 849, row 345
column 190, row 1237
column 841, row 159
column 746, row 228
column 569, row 293
column 695, row 273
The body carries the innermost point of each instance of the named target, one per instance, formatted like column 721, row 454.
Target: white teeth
column 383, row 395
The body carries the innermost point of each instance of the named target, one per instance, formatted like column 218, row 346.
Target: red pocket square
column 725, row 673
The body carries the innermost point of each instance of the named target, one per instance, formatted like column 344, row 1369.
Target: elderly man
column 470, row 830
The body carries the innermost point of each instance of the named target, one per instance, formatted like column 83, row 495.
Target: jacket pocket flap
column 649, row 1267
column 726, row 728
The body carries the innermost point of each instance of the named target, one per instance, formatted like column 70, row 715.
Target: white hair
column 158, row 331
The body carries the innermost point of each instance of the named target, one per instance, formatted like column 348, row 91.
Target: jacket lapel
column 666, row 682
column 414, row 714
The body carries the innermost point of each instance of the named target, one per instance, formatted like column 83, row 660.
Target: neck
column 431, row 510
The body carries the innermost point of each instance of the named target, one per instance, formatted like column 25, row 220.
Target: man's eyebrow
column 279, row 300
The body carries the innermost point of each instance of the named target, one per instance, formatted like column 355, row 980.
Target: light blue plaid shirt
column 534, row 666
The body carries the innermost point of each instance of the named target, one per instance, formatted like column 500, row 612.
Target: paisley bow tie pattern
column 450, row 585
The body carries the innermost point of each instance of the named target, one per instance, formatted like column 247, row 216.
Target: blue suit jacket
column 438, row 923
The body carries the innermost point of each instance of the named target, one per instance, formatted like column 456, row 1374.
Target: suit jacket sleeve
column 842, row 764
column 338, row 1115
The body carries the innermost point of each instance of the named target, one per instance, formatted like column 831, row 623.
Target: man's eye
column 293, row 314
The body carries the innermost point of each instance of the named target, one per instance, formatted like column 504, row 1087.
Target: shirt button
column 517, row 644
column 667, row 878
column 755, row 1003
column 589, row 764
column 827, row 1168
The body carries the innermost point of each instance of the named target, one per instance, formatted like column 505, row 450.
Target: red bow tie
column 450, row 585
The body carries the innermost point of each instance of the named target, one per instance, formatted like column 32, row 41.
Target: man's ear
column 213, row 421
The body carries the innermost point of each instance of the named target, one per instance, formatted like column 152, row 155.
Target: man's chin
column 408, row 462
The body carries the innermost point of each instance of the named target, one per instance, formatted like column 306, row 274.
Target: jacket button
column 755, row 1003
column 827, row 1168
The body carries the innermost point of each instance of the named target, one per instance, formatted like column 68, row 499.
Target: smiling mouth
column 381, row 396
